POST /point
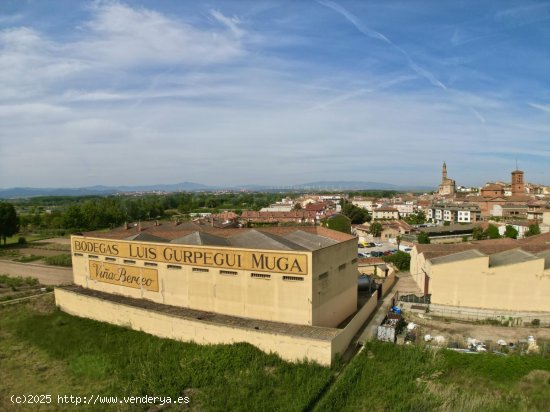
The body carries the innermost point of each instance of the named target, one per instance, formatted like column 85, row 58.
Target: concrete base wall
column 290, row 348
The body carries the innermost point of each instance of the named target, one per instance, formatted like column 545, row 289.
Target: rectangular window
column 342, row 266
column 150, row 264
column 260, row 276
column 293, row 278
column 200, row 270
column 323, row 276
column 173, row 266
column 228, row 272
column 110, row 259
column 93, row 257
column 131, row 262
column 77, row 254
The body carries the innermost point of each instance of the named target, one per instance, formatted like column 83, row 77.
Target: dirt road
column 47, row 275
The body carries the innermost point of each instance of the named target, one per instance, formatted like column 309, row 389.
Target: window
column 173, row 266
column 150, row 264
column 93, row 257
column 323, row 276
column 77, row 254
column 200, row 270
column 260, row 276
column 342, row 266
column 228, row 272
column 110, row 259
column 132, row 262
column 293, row 278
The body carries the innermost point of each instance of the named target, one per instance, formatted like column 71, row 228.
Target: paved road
column 47, row 275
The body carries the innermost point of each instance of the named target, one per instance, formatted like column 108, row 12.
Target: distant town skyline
column 273, row 92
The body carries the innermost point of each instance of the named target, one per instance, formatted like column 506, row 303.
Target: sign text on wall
column 292, row 263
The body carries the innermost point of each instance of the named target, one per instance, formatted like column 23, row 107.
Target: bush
column 535, row 322
column 59, row 260
column 21, row 241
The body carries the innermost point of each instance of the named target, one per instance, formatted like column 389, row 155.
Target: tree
column 534, row 229
column 376, row 229
column 297, row 206
column 400, row 260
column 398, row 239
column 491, row 232
column 423, row 238
column 477, row 233
column 511, row 232
column 355, row 213
column 338, row 222
column 9, row 223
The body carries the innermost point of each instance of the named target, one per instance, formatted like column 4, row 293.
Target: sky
column 273, row 92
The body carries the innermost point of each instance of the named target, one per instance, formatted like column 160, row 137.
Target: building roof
column 254, row 239
column 510, row 257
column 201, row 239
column 456, row 257
column 191, row 233
column 506, row 249
column 146, row 237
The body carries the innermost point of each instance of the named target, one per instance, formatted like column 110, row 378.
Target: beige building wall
column 523, row 286
column 280, row 297
column 334, row 291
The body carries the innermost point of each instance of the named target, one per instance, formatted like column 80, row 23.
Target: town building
column 385, row 213
column 454, row 213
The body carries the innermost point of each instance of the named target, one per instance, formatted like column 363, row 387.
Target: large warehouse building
column 501, row 274
column 287, row 276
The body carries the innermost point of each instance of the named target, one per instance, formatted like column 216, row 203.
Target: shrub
column 21, row 241
column 59, row 260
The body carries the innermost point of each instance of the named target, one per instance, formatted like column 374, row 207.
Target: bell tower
column 518, row 184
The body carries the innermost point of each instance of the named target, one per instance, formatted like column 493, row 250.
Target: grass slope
column 385, row 377
column 52, row 352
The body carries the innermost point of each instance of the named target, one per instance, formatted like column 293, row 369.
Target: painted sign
column 291, row 263
column 130, row 276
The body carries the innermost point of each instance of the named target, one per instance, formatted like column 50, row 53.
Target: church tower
column 447, row 186
column 518, row 185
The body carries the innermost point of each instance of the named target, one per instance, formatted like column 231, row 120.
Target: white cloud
column 119, row 34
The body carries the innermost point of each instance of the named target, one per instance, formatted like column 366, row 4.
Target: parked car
column 378, row 244
column 371, row 244
column 377, row 254
column 407, row 249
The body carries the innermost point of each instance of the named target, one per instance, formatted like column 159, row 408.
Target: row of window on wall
column 177, row 267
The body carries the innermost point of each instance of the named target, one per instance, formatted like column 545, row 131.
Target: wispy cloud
column 544, row 108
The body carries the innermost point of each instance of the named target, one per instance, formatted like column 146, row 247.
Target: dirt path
column 47, row 275
column 458, row 330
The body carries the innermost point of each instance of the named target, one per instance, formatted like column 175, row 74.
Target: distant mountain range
column 18, row 192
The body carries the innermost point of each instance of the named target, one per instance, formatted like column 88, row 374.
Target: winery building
column 290, row 282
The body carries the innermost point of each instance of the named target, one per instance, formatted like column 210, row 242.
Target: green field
column 45, row 351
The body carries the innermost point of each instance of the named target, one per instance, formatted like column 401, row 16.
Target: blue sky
column 272, row 92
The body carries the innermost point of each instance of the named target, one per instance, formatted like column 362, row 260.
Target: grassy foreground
column 44, row 351
column 384, row 377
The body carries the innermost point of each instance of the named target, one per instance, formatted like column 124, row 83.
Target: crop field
column 45, row 351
